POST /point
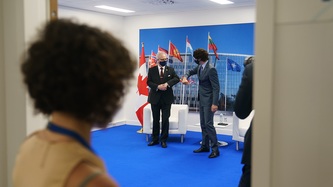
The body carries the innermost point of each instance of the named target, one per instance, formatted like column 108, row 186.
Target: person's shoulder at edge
column 249, row 67
column 89, row 175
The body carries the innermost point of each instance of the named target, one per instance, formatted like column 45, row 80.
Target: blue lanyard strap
column 60, row 130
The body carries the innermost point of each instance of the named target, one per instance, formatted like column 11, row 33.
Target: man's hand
column 162, row 87
column 184, row 81
column 214, row 108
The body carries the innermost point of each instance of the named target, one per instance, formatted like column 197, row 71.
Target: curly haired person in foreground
column 76, row 75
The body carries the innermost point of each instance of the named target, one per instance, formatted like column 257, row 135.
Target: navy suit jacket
column 154, row 80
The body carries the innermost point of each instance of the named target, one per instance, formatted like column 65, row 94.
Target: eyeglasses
column 163, row 59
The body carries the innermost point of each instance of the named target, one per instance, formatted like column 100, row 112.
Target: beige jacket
column 42, row 163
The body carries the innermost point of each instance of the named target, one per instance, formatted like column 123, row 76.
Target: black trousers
column 245, row 180
column 157, row 109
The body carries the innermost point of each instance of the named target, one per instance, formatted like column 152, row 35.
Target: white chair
column 240, row 127
column 177, row 120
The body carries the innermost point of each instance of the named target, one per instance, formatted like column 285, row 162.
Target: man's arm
column 150, row 81
column 175, row 79
column 188, row 74
column 214, row 81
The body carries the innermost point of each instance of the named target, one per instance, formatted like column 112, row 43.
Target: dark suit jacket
column 209, row 86
column 154, row 80
column 243, row 107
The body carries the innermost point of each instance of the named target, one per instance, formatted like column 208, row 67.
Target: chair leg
column 182, row 138
column 237, row 145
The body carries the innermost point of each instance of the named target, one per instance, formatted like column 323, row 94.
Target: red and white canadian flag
column 142, row 87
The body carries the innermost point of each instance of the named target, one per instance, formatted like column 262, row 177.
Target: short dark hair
column 77, row 69
column 200, row 54
column 248, row 60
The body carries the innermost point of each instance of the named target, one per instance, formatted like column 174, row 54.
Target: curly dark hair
column 77, row 69
column 200, row 54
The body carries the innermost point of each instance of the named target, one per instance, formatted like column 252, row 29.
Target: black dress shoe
column 164, row 145
column 201, row 149
column 153, row 143
column 214, row 154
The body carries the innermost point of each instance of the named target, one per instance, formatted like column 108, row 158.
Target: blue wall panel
column 231, row 38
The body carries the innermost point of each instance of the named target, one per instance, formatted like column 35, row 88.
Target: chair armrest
column 182, row 118
column 147, row 119
column 235, row 125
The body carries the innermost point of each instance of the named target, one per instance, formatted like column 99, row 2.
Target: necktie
column 201, row 68
column 162, row 73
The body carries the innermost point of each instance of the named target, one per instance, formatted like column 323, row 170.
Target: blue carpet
column 134, row 164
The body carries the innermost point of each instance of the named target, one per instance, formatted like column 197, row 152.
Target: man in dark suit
column 161, row 79
column 243, row 107
column 209, row 89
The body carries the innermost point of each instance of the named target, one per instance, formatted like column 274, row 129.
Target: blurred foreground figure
column 77, row 76
column 243, row 107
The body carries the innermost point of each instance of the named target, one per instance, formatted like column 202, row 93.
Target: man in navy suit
column 161, row 79
column 243, row 107
column 209, row 89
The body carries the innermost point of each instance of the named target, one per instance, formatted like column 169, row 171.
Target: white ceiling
column 144, row 7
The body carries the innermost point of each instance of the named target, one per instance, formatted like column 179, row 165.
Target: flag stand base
column 140, row 131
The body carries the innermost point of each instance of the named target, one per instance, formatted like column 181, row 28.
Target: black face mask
column 197, row 61
column 163, row 63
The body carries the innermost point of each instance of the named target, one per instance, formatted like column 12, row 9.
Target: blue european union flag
column 233, row 66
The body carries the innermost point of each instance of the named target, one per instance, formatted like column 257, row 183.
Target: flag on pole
column 212, row 46
column 152, row 59
column 142, row 87
column 142, row 77
column 189, row 46
column 189, row 49
column 233, row 66
column 174, row 52
column 162, row 49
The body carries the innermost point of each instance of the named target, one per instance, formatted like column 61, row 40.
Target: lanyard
column 60, row 130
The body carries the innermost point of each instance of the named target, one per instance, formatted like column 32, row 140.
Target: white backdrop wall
column 111, row 23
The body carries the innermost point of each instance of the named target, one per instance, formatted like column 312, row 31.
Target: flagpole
column 215, row 62
column 208, row 43
column 225, row 86
column 169, row 51
column 142, row 53
column 146, row 62
column 150, row 60
column 142, row 46
column 183, row 86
